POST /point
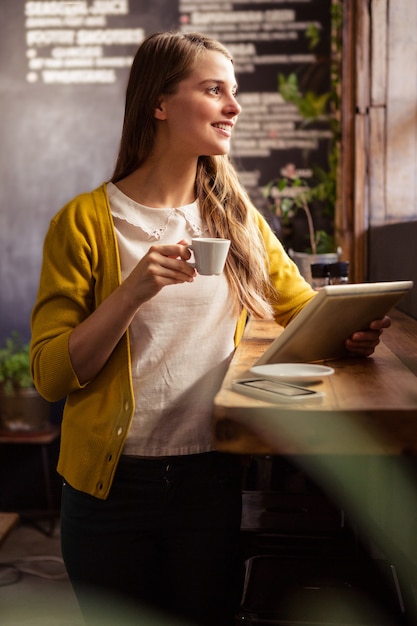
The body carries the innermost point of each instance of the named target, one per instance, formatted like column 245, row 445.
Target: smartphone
column 274, row 391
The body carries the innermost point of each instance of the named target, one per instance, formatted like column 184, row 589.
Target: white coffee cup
column 209, row 254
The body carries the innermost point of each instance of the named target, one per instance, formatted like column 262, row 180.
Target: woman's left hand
column 364, row 342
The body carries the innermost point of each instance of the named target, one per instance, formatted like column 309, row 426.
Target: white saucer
column 293, row 372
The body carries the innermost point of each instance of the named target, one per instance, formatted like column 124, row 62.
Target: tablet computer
column 319, row 331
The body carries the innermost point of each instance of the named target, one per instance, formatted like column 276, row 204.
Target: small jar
column 338, row 273
column 319, row 275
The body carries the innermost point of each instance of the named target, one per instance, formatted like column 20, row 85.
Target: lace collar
column 153, row 222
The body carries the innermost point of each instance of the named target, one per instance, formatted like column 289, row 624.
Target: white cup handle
column 193, row 264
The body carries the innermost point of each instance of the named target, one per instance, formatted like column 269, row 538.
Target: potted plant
column 286, row 196
column 21, row 406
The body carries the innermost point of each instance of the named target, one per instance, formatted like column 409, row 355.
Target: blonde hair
column 161, row 62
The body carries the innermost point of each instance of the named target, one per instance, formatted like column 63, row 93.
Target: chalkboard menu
column 63, row 72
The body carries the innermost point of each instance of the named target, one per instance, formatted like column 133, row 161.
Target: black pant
column 168, row 536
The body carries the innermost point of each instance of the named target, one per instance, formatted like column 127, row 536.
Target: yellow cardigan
column 81, row 268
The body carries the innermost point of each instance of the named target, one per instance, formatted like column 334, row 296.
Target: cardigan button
column 127, row 406
column 119, row 431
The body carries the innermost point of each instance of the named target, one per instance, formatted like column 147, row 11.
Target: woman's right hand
column 162, row 265
column 92, row 342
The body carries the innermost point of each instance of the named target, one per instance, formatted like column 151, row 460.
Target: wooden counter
column 370, row 404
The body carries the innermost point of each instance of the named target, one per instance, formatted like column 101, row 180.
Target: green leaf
column 15, row 364
column 313, row 35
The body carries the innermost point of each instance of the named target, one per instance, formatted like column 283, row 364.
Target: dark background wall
column 56, row 140
column 59, row 139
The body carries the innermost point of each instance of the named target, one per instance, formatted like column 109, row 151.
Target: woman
column 138, row 342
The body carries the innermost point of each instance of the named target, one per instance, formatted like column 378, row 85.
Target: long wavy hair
column 161, row 62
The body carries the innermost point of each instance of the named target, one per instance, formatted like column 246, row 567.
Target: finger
column 360, row 349
column 185, row 251
column 385, row 322
column 182, row 250
column 172, row 250
column 172, row 269
column 366, row 345
column 173, row 257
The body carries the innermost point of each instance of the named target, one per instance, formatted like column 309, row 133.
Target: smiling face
column 199, row 117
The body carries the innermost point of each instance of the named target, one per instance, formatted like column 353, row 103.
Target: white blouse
column 181, row 339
